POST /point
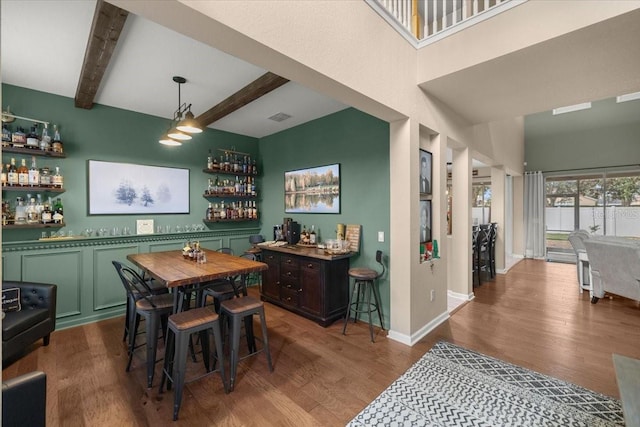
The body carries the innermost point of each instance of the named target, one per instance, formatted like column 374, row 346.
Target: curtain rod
column 593, row 168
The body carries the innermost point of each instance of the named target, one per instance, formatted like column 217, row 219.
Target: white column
column 403, row 243
column 460, row 277
column 498, row 207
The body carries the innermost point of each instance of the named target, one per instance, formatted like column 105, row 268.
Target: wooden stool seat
column 180, row 327
column 192, row 318
column 240, row 305
column 363, row 273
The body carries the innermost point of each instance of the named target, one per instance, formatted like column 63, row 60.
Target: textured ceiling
column 47, row 55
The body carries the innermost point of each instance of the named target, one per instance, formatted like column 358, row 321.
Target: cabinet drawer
column 289, row 296
column 289, row 261
column 288, row 273
column 310, row 268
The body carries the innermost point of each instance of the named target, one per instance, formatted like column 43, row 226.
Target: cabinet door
column 310, row 296
column 271, row 277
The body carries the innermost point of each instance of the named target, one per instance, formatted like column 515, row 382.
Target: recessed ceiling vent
column 279, row 117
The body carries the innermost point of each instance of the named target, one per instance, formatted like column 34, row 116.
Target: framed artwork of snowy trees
column 127, row 188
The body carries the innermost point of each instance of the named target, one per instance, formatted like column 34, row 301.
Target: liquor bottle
column 236, row 186
column 45, row 177
column 47, row 215
column 209, row 161
column 56, row 145
column 12, row 173
column 57, row 180
column 254, row 168
column 254, row 210
column 58, row 211
column 312, row 235
column 21, row 213
column 32, row 138
column 34, row 173
column 236, row 163
column 4, row 176
column 23, row 173
column 209, row 214
column 32, row 213
column 216, row 186
column 215, row 165
column 245, row 165
column 18, row 138
column 223, row 211
column 39, row 206
column 226, row 161
column 45, row 140
column 6, row 135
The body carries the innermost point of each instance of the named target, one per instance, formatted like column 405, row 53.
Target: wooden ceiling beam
column 108, row 21
column 254, row 90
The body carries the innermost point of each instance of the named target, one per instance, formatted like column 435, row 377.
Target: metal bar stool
column 364, row 283
column 236, row 310
column 153, row 308
column 181, row 326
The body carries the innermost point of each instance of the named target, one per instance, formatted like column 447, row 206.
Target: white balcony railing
column 425, row 21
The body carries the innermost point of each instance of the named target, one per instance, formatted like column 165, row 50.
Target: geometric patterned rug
column 453, row 386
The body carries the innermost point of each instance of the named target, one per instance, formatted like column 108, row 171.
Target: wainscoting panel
column 63, row 268
column 88, row 286
column 108, row 290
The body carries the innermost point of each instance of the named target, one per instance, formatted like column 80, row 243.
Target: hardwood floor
column 532, row 317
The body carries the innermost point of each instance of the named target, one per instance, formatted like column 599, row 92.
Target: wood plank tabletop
column 172, row 269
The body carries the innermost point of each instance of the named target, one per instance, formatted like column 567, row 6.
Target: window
column 481, row 203
column 602, row 204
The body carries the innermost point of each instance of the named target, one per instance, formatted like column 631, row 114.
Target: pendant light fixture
column 181, row 128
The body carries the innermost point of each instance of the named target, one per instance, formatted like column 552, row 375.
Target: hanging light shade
column 180, row 136
column 165, row 140
column 181, row 128
column 189, row 124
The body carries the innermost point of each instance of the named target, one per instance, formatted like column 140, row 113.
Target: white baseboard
column 410, row 340
column 459, row 296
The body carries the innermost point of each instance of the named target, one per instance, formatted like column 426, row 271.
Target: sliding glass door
column 602, row 204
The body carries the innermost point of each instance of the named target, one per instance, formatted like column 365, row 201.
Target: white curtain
column 534, row 240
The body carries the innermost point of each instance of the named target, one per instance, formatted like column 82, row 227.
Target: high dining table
column 181, row 274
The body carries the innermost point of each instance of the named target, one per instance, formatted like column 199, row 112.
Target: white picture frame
column 127, row 188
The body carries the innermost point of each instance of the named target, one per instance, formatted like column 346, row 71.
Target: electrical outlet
column 381, row 236
column 433, row 294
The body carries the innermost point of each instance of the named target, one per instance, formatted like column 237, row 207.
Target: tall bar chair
column 152, row 286
column 235, row 310
column 364, row 285
column 181, row 325
column 153, row 308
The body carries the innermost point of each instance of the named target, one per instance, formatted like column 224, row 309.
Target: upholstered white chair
column 577, row 238
column 615, row 268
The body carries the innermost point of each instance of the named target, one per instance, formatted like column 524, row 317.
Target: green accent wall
column 360, row 144
column 81, row 268
column 607, row 135
column 113, row 134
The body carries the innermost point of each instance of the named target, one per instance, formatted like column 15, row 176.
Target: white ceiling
column 43, row 45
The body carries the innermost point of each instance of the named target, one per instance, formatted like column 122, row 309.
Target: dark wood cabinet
column 307, row 282
column 271, row 277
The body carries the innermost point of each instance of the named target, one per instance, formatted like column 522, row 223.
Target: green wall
column 357, row 141
column 360, row 144
column 113, row 134
column 607, row 135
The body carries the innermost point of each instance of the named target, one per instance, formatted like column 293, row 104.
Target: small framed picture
column 425, row 221
column 425, row 172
